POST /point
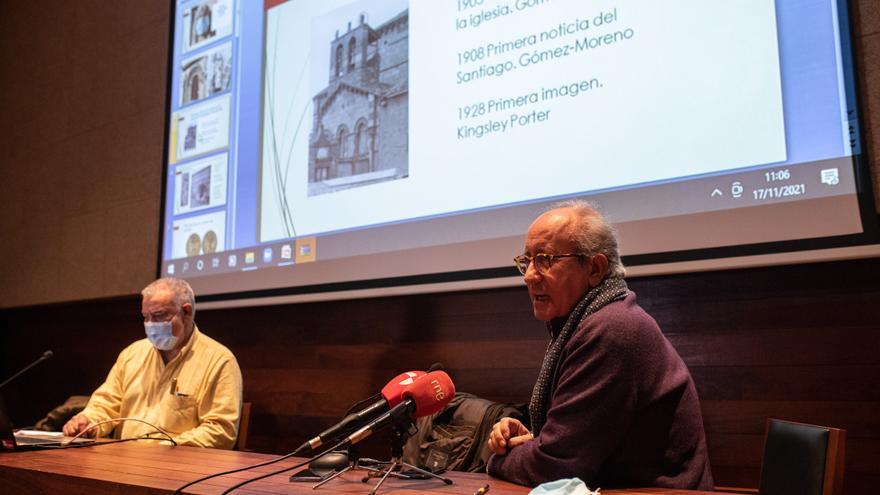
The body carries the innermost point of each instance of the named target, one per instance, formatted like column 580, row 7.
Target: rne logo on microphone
column 411, row 378
column 439, row 394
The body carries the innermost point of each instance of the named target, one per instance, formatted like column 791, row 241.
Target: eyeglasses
column 543, row 261
column 160, row 316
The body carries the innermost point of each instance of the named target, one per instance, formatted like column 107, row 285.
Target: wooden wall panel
column 797, row 342
column 82, row 119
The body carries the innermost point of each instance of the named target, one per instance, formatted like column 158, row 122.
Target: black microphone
column 437, row 367
column 46, row 355
column 390, row 397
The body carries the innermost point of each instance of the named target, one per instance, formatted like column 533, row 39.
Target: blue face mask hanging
column 160, row 335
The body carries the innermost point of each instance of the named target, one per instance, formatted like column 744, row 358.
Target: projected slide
column 198, row 235
column 200, row 128
column 454, row 106
column 206, row 21
column 200, row 184
column 206, row 74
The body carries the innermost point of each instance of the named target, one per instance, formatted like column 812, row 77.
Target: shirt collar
column 192, row 339
column 186, row 348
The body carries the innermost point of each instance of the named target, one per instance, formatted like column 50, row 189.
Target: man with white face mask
column 177, row 378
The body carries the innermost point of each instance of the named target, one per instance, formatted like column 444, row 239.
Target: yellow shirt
column 204, row 409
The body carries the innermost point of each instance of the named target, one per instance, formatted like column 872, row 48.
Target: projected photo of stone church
column 359, row 131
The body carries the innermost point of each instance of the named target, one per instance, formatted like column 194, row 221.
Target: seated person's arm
column 219, row 410
column 592, row 406
column 104, row 404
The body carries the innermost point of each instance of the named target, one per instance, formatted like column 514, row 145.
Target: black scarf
column 609, row 290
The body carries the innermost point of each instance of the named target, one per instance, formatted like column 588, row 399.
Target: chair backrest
column 244, row 424
column 802, row 459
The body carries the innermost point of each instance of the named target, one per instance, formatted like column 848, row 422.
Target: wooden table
column 145, row 468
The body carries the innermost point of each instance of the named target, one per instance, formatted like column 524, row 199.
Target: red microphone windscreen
column 393, row 390
column 430, row 393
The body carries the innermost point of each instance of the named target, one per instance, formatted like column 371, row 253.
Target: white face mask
column 160, row 335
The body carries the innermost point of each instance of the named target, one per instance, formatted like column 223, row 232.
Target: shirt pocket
column 178, row 414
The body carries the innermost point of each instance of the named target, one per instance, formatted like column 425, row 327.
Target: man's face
column 555, row 292
column 160, row 306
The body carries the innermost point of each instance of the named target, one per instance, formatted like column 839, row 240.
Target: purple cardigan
column 623, row 411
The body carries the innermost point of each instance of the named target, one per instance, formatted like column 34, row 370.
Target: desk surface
column 144, row 468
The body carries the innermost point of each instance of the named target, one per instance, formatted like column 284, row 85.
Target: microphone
column 391, row 397
column 437, row 367
column 46, row 355
column 427, row 395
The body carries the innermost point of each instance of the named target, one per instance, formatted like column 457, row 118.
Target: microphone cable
column 351, row 439
column 115, row 420
column 279, row 459
column 145, row 436
column 252, row 466
column 280, row 471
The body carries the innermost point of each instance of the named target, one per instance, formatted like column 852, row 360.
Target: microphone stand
column 353, row 450
column 399, row 434
column 354, row 460
column 46, row 355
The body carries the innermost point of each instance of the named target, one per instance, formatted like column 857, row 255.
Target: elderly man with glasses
column 177, row 382
column 614, row 404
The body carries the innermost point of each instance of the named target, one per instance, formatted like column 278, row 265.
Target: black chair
column 802, row 459
column 799, row 459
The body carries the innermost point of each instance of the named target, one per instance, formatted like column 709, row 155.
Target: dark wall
column 82, row 119
column 795, row 342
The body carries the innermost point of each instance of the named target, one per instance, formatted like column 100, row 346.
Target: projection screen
column 338, row 148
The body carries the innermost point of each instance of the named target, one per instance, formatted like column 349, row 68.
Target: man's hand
column 507, row 434
column 77, row 424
